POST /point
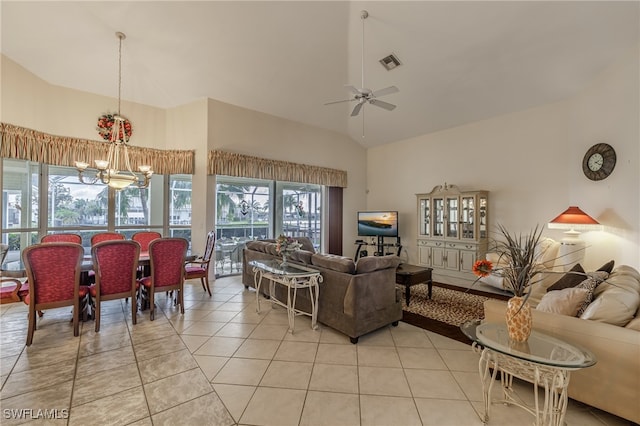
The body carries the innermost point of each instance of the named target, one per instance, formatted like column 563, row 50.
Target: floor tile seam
column 104, row 396
column 90, row 402
column 145, row 359
column 135, row 357
column 56, row 385
column 197, row 367
column 12, row 368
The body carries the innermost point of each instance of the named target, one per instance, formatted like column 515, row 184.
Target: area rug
column 448, row 308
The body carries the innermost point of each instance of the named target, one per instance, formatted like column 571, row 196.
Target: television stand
column 380, row 247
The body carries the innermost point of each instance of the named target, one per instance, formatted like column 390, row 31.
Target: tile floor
column 221, row 363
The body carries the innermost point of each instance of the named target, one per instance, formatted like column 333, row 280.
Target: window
column 248, row 209
column 20, row 208
column 180, row 206
column 69, row 206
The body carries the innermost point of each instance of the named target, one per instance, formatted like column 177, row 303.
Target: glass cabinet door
column 438, row 217
column 467, row 218
column 452, row 217
column 483, row 216
column 424, row 219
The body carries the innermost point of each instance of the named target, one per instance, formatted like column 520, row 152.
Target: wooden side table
column 409, row 275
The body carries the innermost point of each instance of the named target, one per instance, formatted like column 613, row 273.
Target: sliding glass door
column 252, row 209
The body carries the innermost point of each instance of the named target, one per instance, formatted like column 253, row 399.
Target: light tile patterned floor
column 221, row 363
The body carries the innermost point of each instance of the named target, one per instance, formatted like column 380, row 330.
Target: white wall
column 531, row 162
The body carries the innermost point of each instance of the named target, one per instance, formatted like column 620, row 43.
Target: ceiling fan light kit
column 364, row 95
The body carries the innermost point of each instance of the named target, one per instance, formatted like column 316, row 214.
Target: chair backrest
column 236, row 254
column 106, row 236
column 4, row 249
column 53, row 271
column 61, row 238
column 211, row 244
column 115, row 263
column 144, row 238
column 166, row 256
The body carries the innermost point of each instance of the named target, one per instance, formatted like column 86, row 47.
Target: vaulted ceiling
column 461, row 61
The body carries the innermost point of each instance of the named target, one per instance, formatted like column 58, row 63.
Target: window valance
column 239, row 165
column 28, row 144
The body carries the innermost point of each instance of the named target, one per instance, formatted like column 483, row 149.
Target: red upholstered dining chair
column 61, row 238
column 53, row 272
column 144, row 238
column 199, row 268
column 166, row 256
column 115, row 264
column 105, row 236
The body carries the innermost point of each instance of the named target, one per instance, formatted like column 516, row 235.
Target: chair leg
column 152, row 304
column 202, row 282
column 97, row 312
column 134, row 308
column 206, row 280
column 181, row 299
column 32, row 326
column 76, row 318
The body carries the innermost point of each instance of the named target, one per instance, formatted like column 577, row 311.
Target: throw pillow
column 571, row 279
column 590, row 284
column 607, row 267
column 564, row 302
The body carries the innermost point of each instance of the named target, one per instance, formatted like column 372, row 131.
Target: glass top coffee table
column 542, row 360
column 293, row 277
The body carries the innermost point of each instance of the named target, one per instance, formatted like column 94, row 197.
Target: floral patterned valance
column 239, row 165
column 28, row 144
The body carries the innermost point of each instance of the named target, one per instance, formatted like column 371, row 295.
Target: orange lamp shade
column 573, row 216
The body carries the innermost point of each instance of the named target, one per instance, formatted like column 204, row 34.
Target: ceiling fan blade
column 382, row 104
column 352, row 89
column 386, row 91
column 356, row 109
column 337, row 102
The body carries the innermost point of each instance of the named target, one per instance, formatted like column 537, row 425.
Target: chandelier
column 116, row 171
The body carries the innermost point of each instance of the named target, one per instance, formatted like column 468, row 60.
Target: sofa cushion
column 571, row 279
column 334, row 262
column 564, row 302
column 302, row 256
column 256, row 245
column 617, row 299
column 547, row 252
column 374, row 263
column 634, row 324
column 593, row 280
column 306, row 244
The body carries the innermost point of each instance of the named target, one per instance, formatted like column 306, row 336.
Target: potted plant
column 518, row 264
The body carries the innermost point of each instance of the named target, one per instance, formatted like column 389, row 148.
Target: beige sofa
column 354, row 298
column 610, row 328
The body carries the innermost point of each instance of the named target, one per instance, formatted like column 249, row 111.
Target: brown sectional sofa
column 355, row 298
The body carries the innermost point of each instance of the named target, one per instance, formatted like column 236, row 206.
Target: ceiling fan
column 365, row 95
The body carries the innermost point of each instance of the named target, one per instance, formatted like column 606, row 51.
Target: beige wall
column 531, row 162
column 28, row 101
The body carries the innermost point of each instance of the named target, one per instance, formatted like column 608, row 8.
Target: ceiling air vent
column 390, row 62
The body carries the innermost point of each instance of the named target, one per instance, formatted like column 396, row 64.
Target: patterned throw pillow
column 590, row 284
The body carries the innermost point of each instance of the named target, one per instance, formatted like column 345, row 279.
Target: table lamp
column 573, row 219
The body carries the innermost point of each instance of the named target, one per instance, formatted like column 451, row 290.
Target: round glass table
column 542, row 360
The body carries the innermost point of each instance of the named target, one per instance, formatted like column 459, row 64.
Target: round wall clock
column 599, row 161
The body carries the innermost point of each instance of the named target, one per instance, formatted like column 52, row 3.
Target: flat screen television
column 378, row 224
